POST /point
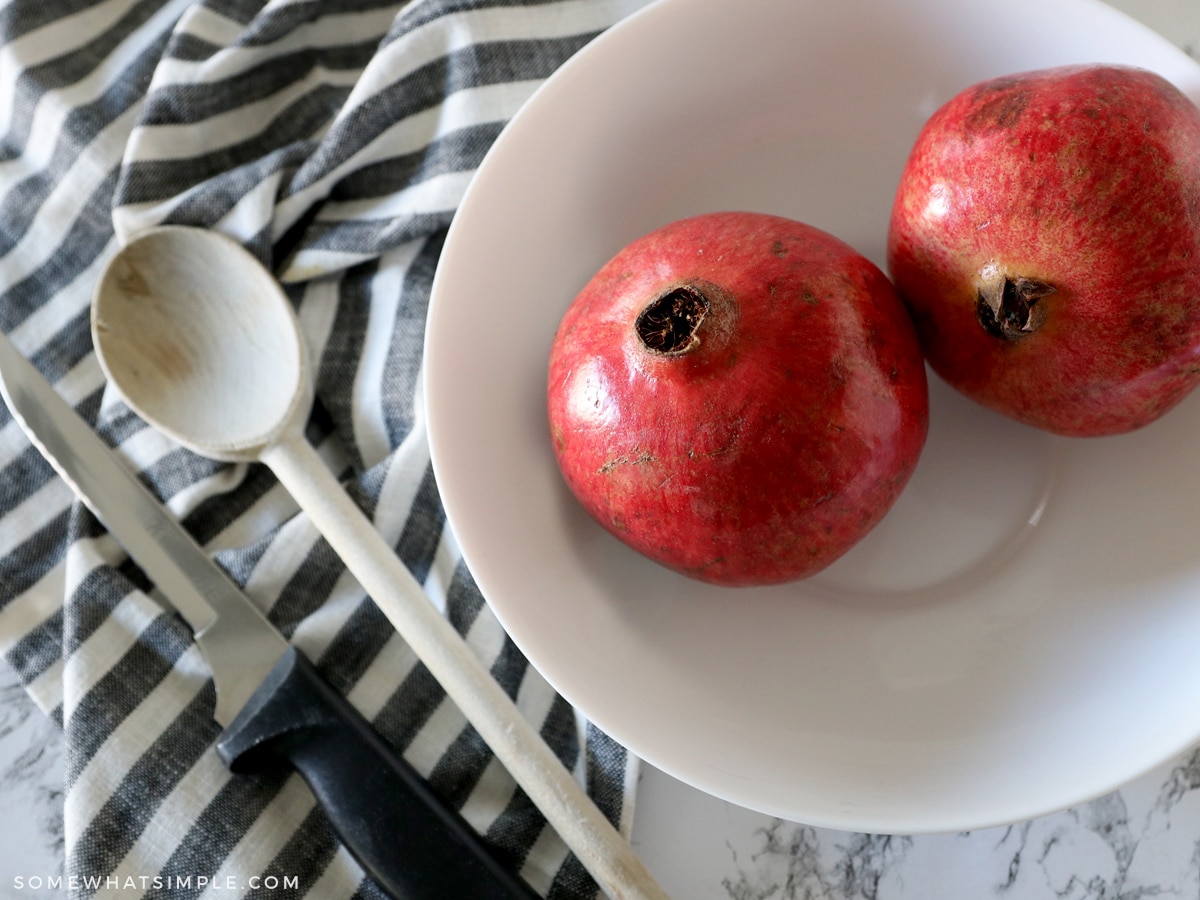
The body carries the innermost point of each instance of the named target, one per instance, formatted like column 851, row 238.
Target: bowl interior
column 1015, row 637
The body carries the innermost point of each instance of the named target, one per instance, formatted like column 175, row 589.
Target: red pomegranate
column 737, row 396
column 1046, row 238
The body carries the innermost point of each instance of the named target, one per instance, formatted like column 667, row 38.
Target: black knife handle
column 408, row 841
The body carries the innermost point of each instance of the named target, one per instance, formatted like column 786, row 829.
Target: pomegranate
column 737, row 396
column 1046, row 238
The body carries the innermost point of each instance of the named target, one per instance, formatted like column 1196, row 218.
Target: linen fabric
column 333, row 139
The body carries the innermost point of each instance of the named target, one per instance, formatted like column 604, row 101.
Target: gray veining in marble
column 31, row 795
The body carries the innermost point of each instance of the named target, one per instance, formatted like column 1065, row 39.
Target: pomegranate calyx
column 669, row 323
column 1007, row 306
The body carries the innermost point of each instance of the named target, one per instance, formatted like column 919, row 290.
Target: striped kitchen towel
column 334, row 138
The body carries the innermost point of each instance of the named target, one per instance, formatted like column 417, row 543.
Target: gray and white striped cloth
column 334, row 138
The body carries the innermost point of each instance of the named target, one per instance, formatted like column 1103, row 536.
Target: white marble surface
column 1140, row 842
column 31, row 793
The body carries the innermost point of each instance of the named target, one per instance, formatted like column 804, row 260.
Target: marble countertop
column 1140, row 842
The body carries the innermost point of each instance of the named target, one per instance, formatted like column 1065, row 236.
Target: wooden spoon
column 204, row 345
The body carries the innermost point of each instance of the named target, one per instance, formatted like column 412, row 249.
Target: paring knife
column 276, row 708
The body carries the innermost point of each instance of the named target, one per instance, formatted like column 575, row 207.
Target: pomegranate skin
column 1046, row 237
column 776, row 436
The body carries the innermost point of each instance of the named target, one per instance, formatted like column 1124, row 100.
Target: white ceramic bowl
column 1021, row 633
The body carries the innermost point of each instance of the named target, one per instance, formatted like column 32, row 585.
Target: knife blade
column 276, row 708
column 238, row 642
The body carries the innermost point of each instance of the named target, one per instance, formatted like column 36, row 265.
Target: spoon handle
column 590, row 836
